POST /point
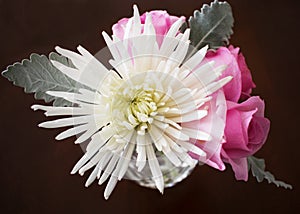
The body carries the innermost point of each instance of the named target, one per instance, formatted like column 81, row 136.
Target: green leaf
column 38, row 75
column 212, row 26
column 258, row 166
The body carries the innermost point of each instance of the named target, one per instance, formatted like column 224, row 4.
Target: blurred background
column 35, row 169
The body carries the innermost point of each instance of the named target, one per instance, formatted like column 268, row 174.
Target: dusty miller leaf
column 212, row 25
column 38, row 75
column 258, row 166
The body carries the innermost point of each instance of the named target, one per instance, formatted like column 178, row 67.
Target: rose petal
column 222, row 56
column 239, row 166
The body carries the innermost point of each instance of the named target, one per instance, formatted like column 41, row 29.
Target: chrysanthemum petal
column 136, row 26
column 196, row 59
column 192, row 148
column 73, row 73
column 70, row 121
column 73, row 97
column 62, row 111
column 169, row 42
column 180, row 52
column 107, row 155
column 155, row 169
column 141, row 152
column 185, row 157
column 174, row 133
column 111, row 46
column 110, row 186
column 196, row 134
column 171, row 156
column 109, row 168
column 127, row 157
column 92, row 162
column 77, row 59
column 90, row 71
column 92, row 176
column 211, row 88
column 190, row 116
column 86, row 135
column 72, row 131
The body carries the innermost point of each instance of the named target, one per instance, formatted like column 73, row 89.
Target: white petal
column 191, row 105
column 194, row 79
column 211, row 88
column 174, row 133
column 174, row 145
column 171, row 156
column 157, row 137
column 128, row 153
column 190, row 116
column 206, row 78
column 196, row 134
column 196, row 59
column 92, row 162
column 141, row 152
column 87, row 55
column 172, row 123
column 127, row 33
column 91, row 72
column 62, row 111
column 109, row 168
column 70, row 121
column 111, row 46
column 160, row 125
column 104, row 161
column 169, row 42
column 85, row 158
column 72, row 131
column 191, row 147
column 72, row 97
column 180, row 52
column 155, row 169
column 89, row 96
column 185, row 157
column 90, row 131
column 175, row 27
column 181, row 93
column 110, row 187
column 148, row 26
column 73, row 73
column 76, row 58
column 92, row 176
column 98, row 140
column 137, row 26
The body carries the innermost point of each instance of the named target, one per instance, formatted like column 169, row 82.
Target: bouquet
column 171, row 94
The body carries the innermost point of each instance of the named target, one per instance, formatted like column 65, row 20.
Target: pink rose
column 161, row 20
column 246, row 131
column 247, row 83
column 241, row 85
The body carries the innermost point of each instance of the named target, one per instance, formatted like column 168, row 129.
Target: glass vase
column 171, row 174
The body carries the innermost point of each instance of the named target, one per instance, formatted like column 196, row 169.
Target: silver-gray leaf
column 212, row 26
column 258, row 166
column 38, row 75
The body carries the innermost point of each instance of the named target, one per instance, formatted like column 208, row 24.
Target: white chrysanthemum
column 141, row 108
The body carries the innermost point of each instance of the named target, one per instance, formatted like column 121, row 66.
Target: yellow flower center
column 143, row 105
column 136, row 103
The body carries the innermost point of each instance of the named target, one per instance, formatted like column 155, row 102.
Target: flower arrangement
column 175, row 94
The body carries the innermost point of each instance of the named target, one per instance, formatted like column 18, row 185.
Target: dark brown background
column 35, row 169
